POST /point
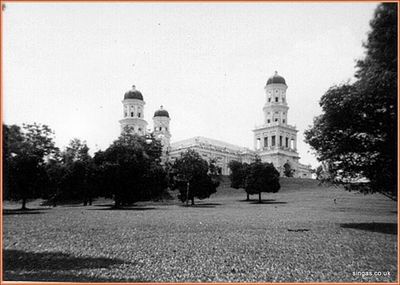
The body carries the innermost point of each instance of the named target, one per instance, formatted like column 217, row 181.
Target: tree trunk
column 187, row 193
column 23, row 204
column 259, row 197
column 248, row 197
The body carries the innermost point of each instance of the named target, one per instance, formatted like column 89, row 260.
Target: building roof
column 276, row 79
column 207, row 142
column 161, row 112
column 133, row 94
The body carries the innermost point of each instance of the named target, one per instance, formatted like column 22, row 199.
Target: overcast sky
column 68, row 65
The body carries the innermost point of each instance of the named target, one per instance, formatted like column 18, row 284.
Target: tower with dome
column 133, row 119
column 276, row 140
column 161, row 127
column 133, row 112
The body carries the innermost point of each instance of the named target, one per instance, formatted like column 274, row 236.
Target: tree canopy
column 25, row 152
column 130, row 170
column 254, row 178
column 194, row 177
column 356, row 135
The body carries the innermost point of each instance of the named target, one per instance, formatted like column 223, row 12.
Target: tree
column 193, row 177
column 12, row 143
column 79, row 170
column 356, row 136
column 25, row 152
column 262, row 177
column 238, row 175
column 288, row 171
column 130, row 171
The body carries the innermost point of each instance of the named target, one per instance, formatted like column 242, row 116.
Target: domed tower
column 275, row 108
column 133, row 112
column 161, row 127
column 275, row 140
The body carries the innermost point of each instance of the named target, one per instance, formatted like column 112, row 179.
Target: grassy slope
column 223, row 238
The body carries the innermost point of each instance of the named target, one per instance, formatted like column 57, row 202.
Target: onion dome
column 276, row 79
column 161, row 113
column 133, row 94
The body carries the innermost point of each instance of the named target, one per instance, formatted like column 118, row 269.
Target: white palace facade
column 274, row 140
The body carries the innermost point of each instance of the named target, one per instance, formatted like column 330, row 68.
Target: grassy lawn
column 298, row 234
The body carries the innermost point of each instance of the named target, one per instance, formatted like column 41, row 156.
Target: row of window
column 160, row 129
column 277, row 99
column 276, row 120
column 273, row 142
column 132, row 114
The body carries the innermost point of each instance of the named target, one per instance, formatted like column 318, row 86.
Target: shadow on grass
column 266, row 202
column 132, row 208
column 32, row 211
column 385, row 228
column 60, row 277
column 201, row 205
column 256, row 200
column 18, row 260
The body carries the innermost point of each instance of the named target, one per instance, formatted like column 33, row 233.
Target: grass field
column 298, row 234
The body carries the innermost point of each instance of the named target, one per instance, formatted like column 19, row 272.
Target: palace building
column 274, row 140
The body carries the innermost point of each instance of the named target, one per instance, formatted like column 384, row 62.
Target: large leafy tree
column 26, row 152
column 356, row 135
column 193, row 176
column 130, row 171
column 262, row 177
column 78, row 180
column 238, row 175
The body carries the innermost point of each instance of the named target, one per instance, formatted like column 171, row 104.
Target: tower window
column 126, row 114
column 269, row 99
column 287, row 142
column 276, row 120
column 166, row 129
column 280, row 141
column 273, row 141
column 276, row 99
column 268, row 121
column 131, row 114
column 139, row 115
column 140, row 129
column 160, row 128
column 284, row 121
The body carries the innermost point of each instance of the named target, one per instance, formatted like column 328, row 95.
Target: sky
column 68, row 65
